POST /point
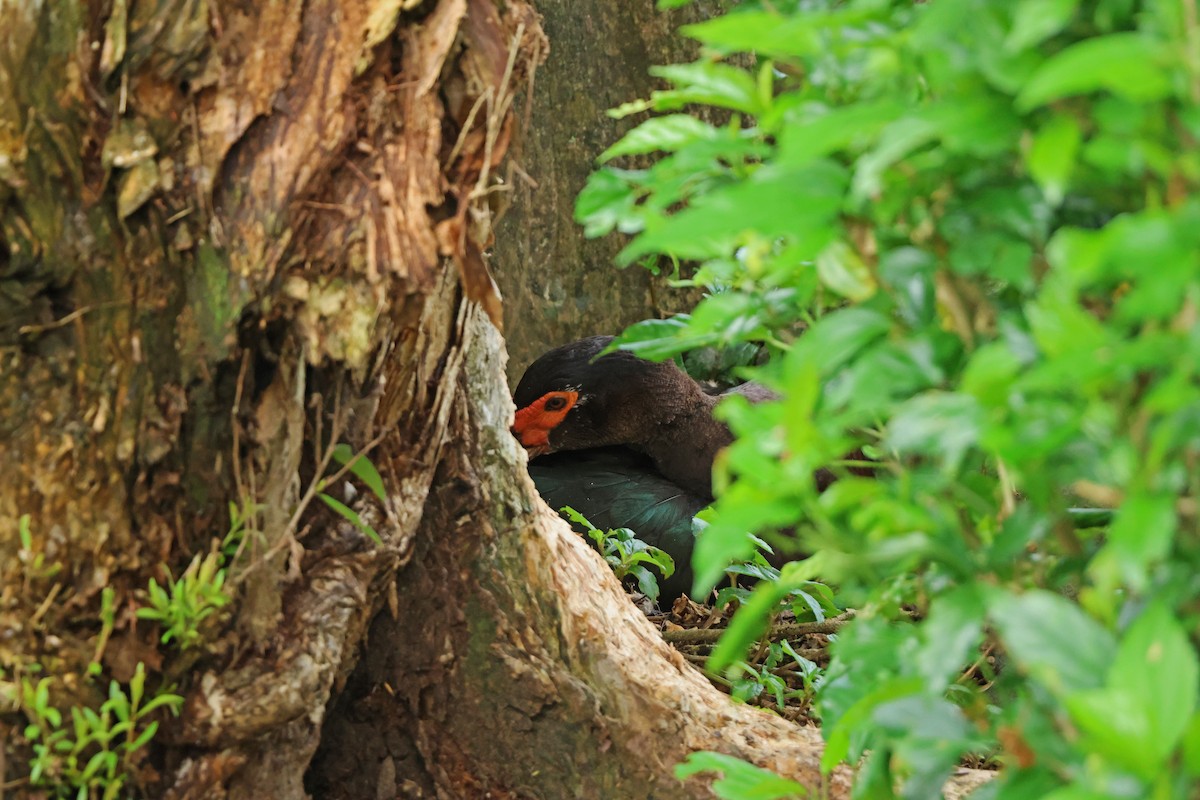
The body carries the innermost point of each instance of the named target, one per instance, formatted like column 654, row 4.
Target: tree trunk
column 557, row 285
column 235, row 235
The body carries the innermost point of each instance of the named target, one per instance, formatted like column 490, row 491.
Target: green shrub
column 982, row 217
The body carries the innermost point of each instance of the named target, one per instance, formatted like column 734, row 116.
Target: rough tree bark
column 557, row 285
column 232, row 235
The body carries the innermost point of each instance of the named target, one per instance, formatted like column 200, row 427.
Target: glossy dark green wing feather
column 617, row 488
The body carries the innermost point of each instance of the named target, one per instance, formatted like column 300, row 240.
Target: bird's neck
column 684, row 443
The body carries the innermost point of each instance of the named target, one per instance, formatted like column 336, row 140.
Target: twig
column 45, row 606
column 68, row 319
column 782, row 631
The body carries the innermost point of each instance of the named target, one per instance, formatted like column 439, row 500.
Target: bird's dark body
column 614, row 487
column 626, row 442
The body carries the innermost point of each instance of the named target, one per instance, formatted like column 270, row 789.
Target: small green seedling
column 184, row 603
column 95, row 754
column 627, row 555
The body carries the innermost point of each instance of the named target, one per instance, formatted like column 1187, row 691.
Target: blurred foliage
column 967, row 232
column 739, row 780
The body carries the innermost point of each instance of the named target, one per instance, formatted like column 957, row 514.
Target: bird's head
column 573, row 398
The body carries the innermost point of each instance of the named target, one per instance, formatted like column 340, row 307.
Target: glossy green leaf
column 1157, row 667
column 1052, row 640
column 771, row 203
column 1051, row 157
column 350, row 515
column 843, row 270
column 838, row 337
column 764, row 32
column 815, row 131
column 362, row 469
column 668, row 133
column 708, row 82
column 607, row 203
column 1037, row 20
column 1128, row 64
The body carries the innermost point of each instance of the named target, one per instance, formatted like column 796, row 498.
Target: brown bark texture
column 559, row 286
column 233, row 235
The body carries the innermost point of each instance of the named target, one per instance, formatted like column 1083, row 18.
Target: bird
column 624, row 441
column 575, row 398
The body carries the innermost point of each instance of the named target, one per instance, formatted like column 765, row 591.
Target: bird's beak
column 531, row 450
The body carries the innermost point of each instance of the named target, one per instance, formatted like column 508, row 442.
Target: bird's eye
column 556, row 404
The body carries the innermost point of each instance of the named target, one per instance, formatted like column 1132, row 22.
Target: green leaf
column 1052, row 639
column 351, row 515
column 838, row 736
column 950, row 635
column 94, row 764
column 607, row 203
column 740, row 780
column 747, row 625
column 814, row 131
column 707, row 82
column 1191, row 746
column 1051, row 157
column 1034, row 21
column 667, row 133
column 659, row 339
column 771, row 203
column 144, row 737
column 1157, row 666
column 743, row 508
column 843, row 270
column 362, row 469
column 1126, row 64
column 761, row 32
column 944, row 425
column 923, row 716
column 1141, row 535
column 837, row 338
column 137, row 685
column 24, row 533
column 646, row 581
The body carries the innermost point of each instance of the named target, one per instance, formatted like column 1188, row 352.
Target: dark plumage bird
column 657, row 436
column 571, row 400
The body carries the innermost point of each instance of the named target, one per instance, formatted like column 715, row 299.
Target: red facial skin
column 533, row 423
